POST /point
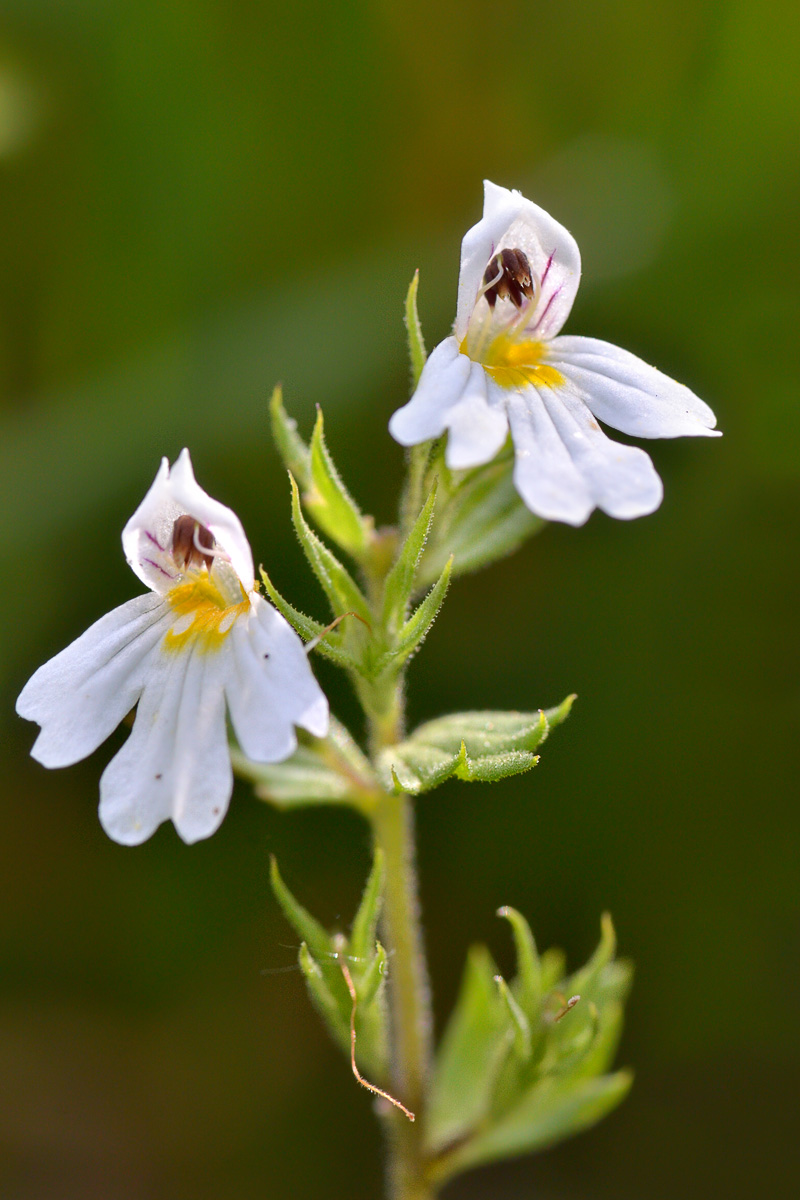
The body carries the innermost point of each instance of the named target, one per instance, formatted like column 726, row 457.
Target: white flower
column 505, row 367
column 201, row 639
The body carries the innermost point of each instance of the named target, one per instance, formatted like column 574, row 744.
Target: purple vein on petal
column 546, row 308
column 547, row 268
column 158, row 567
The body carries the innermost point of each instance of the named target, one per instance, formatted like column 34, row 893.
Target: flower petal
column 80, row 696
column 221, row 520
column 544, row 474
column 626, row 393
column 147, row 537
column 477, row 428
column 176, row 763
column 566, row 466
column 441, row 383
column 621, row 479
column 510, row 221
column 270, row 687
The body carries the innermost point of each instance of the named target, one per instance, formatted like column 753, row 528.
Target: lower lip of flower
column 513, row 364
column 204, row 619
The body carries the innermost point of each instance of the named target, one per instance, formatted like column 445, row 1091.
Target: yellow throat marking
column 514, row 364
column 203, row 615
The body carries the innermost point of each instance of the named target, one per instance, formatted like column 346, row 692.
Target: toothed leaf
column 365, row 923
column 473, row 746
column 551, row 1111
column 417, row 627
column 469, row 1056
column 290, row 445
column 416, row 342
column 400, row 580
column 329, row 502
column 339, row 586
column 528, row 983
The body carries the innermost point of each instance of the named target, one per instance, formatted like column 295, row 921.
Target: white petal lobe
column 544, row 474
column 218, row 518
column 147, row 537
column 441, row 384
column 477, row 428
column 626, row 393
column 511, row 222
column 80, row 696
column 620, row 479
column 175, row 764
column 270, row 686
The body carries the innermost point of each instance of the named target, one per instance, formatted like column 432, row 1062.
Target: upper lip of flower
column 507, row 367
column 510, row 222
column 148, row 537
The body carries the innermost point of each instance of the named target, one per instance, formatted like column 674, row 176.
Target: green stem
column 409, row 991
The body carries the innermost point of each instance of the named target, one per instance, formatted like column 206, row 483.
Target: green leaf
column 519, row 1022
column 421, row 768
column 365, row 922
column 585, row 981
column 400, row 580
column 472, row 746
column 416, row 342
column 469, row 1057
column 301, row 780
column 549, row 1112
column 330, row 503
column 528, row 984
column 373, row 977
column 307, row 927
column 329, row 646
column 290, row 445
column 548, row 1082
column 339, row 586
column 329, row 1007
column 417, row 627
column 481, row 519
column 321, row 955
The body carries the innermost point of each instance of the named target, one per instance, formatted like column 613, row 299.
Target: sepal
column 416, row 342
column 414, row 631
column 472, row 746
column 400, row 582
column 336, row 581
column 329, row 502
column 330, row 770
column 521, row 1064
column 291, row 447
column 320, row 957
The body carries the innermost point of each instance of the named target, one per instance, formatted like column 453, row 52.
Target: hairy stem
column 393, row 828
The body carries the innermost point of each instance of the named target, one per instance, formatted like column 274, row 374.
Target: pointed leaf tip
column 329, row 501
column 416, row 342
column 335, row 580
column 401, row 580
column 291, row 447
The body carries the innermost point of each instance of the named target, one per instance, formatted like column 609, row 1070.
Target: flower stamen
column 192, row 543
column 509, row 275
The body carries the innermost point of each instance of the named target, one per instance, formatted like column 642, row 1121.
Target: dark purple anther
column 509, row 274
column 188, row 536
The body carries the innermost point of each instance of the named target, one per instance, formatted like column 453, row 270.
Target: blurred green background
column 200, row 198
